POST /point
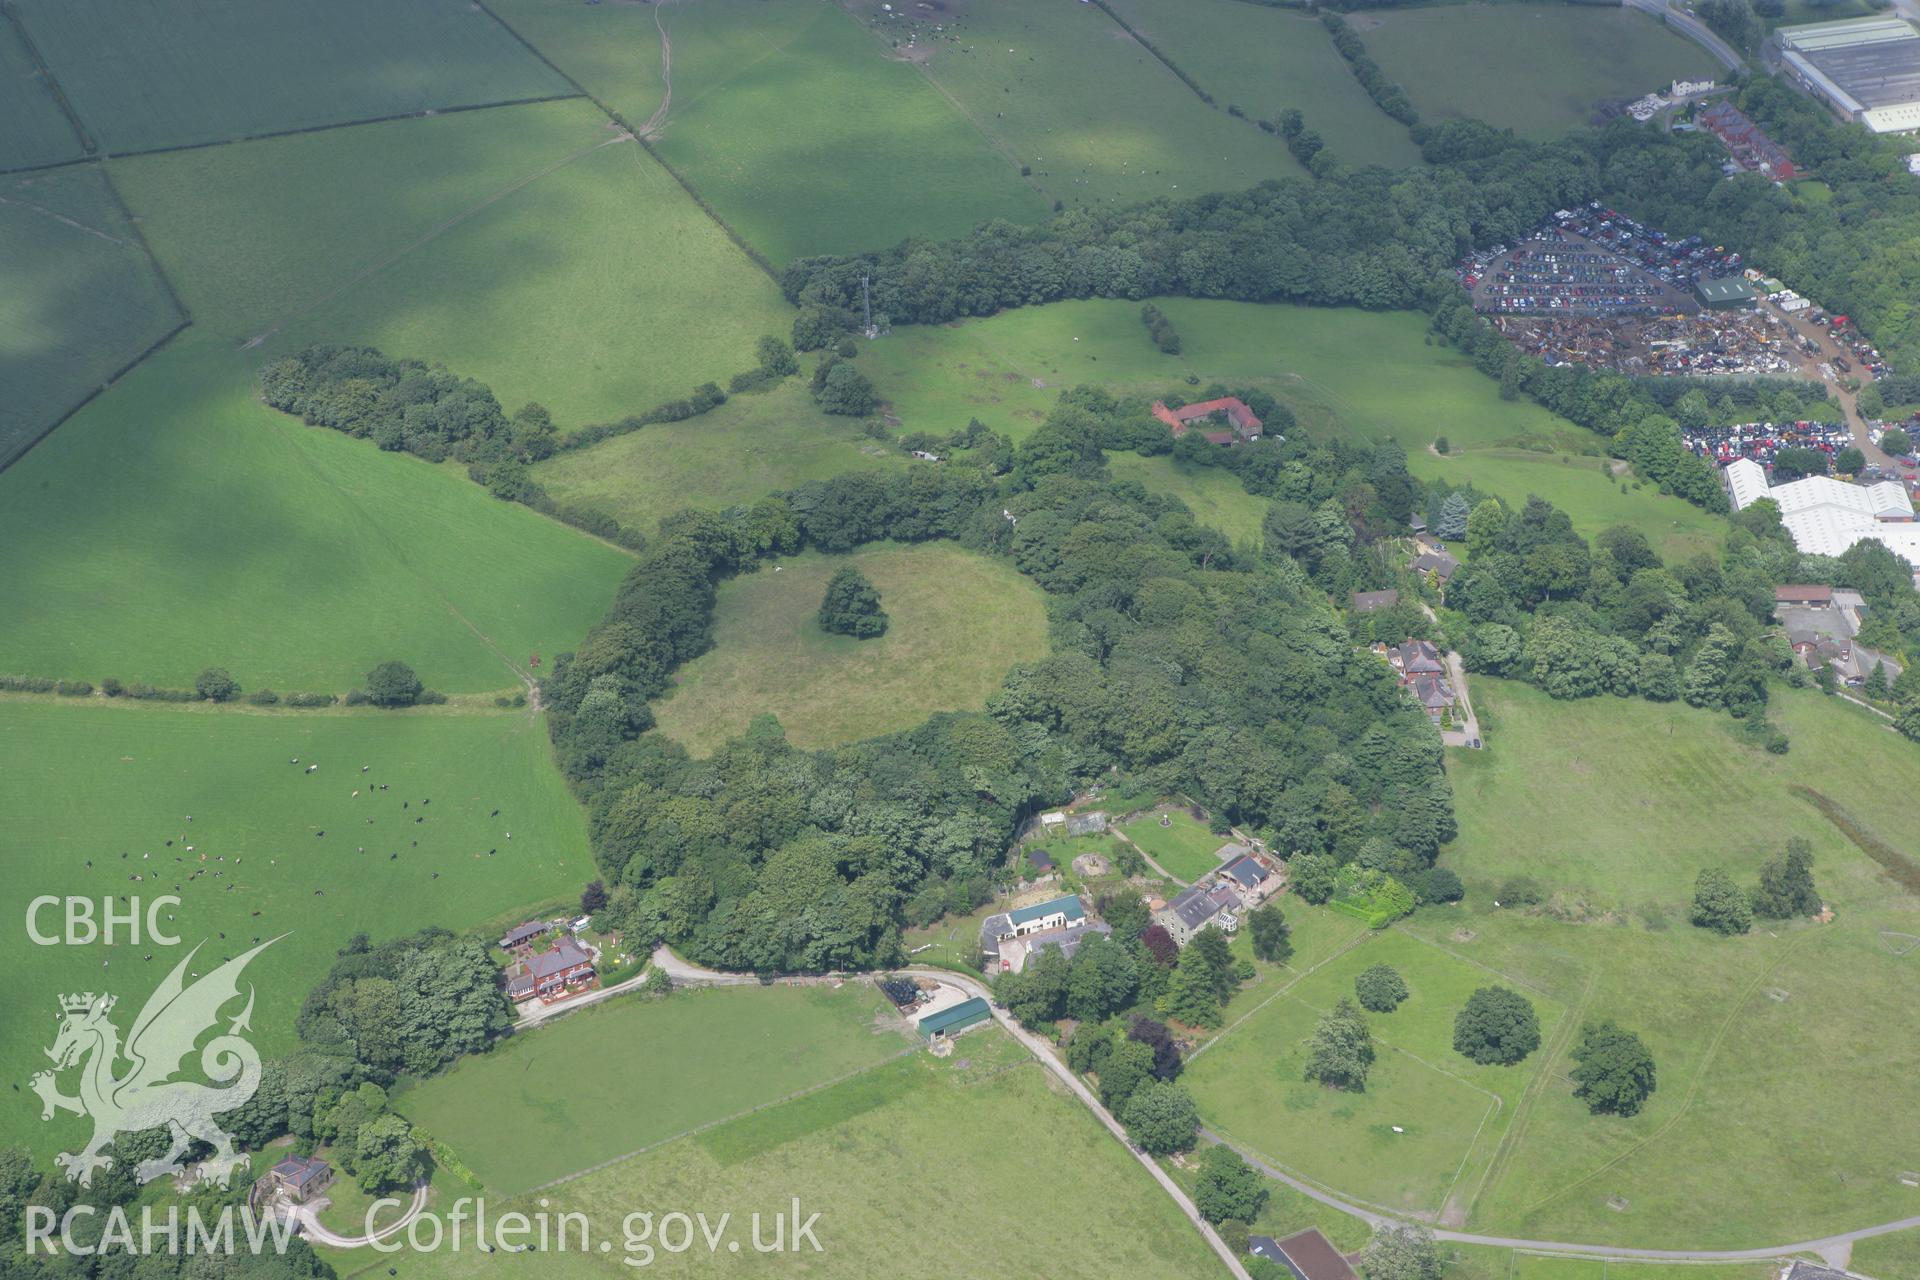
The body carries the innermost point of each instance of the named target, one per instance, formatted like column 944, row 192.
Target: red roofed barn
column 1243, row 424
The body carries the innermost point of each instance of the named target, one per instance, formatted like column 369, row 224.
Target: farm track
column 1825, row 1246
column 658, row 119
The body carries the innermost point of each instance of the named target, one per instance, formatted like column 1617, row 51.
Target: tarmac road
column 1698, row 32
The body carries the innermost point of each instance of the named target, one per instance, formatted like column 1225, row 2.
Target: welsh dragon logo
column 144, row 1096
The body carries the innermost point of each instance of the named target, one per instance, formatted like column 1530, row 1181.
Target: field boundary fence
column 739, row 241
column 60, row 98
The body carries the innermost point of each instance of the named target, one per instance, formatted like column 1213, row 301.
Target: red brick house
column 548, row 975
column 1243, row 425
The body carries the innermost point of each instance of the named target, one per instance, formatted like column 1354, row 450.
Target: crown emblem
column 83, row 1001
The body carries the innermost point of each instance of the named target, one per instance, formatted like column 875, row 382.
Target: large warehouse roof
column 1825, row 516
column 1868, row 68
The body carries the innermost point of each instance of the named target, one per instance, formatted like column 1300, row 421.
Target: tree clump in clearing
column 851, row 606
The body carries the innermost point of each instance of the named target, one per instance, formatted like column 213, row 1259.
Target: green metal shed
column 1731, row 291
column 956, row 1018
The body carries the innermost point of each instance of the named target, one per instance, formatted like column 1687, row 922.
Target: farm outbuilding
column 955, row 1019
column 1727, row 292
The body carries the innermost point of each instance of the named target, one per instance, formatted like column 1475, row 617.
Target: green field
column 1624, row 802
column 530, row 248
column 1538, row 69
column 1586, row 488
column 178, row 523
column 749, row 447
column 38, row 132
column 144, row 77
column 89, row 781
column 801, row 129
column 959, row 622
column 1185, row 850
column 79, row 296
column 1213, row 494
column 911, row 1155
column 1450, row 1111
column 1064, row 90
column 563, row 1099
column 1358, row 373
column 1266, row 60
column 1890, row 1255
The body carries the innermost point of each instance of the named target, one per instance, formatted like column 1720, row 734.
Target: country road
column 1833, row 1248
column 1695, row 30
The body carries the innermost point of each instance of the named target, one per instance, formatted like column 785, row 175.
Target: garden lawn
column 178, row 523
column 1098, row 118
column 531, row 248
column 958, row 623
column 1450, row 1111
column 1538, row 69
column 1624, row 803
column 79, row 296
column 1185, row 850
column 86, row 781
column 614, row 1078
column 747, row 448
column 38, row 132
column 1213, row 494
column 801, row 129
column 911, row 1155
column 1266, row 60
column 144, row 76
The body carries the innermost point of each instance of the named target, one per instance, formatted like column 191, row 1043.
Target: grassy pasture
column 958, row 622
column 1367, row 373
column 748, row 447
column 1185, row 849
column 1890, row 1255
column 1249, row 1085
column 178, row 523
column 1215, row 496
column 1064, row 90
column 1266, row 60
column 934, row 1133
column 79, row 296
column 1358, row 373
column 143, row 76
column 529, row 248
column 562, row 1099
column 38, row 132
column 1623, row 803
column 1584, row 487
column 803, row 132
column 88, row 781
column 1538, row 69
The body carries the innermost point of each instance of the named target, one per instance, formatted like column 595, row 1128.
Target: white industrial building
column 1826, row 516
column 1866, row 69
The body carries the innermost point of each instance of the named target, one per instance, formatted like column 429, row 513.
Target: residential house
column 562, row 969
column 1368, row 601
column 1251, row 878
column 1415, row 658
column 1441, row 564
column 996, row 931
column 1200, row 907
column 300, row 1177
column 1308, row 1255
column 1015, row 952
column 1226, row 421
column 1422, row 673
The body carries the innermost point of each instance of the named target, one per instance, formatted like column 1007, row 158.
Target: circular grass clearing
column 958, row 623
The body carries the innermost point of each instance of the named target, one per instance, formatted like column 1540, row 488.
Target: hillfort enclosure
column 1267, row 639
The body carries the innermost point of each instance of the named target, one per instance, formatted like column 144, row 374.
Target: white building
column 1866, row 69
column 1826, row 516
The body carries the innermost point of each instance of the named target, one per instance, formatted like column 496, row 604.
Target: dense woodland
column 1179, row 661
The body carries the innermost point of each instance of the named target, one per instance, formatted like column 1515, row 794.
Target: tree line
column 1186, row 664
